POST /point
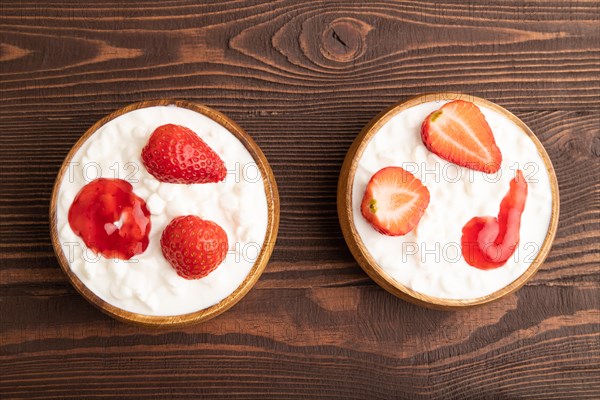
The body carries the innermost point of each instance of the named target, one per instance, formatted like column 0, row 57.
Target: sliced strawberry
column 459, row 133
column 193, row 246
column 394, row 201
column 176, row 154
column 488, row 242
column 111, row 219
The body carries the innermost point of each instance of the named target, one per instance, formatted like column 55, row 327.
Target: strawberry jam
column 111, row 219
column 488, row 242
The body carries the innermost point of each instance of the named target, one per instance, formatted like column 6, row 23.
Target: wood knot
column 344, row 39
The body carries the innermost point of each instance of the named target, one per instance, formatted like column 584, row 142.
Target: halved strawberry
column 394, row 201
column 459, row 133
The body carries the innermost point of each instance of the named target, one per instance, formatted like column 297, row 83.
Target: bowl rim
column 257, row 269
column 362, row 255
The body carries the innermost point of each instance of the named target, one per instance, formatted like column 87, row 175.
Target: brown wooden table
column 302, row 78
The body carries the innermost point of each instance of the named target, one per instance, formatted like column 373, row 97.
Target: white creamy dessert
column 429, row 259
column 147, row 284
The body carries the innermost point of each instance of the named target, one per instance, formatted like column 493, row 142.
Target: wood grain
column 302, row 78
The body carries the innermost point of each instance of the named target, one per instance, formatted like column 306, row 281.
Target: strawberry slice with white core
column 459, row 133
column 394, row 201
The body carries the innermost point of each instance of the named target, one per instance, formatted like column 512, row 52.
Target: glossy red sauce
column 488, row 242
column 111, row 219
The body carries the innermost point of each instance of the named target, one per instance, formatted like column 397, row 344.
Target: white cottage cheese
column 429, row 259
column 148, row 284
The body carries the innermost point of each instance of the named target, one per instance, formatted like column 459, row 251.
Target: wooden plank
column 302, row 78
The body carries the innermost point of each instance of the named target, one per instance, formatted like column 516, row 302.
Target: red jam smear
column 488, row 242
column 111, row 219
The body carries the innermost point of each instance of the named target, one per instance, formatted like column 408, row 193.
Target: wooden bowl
column 362, row 255
column 258, row 267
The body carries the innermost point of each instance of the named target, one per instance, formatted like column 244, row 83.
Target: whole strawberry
column 193, row 246
column 175, row 154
